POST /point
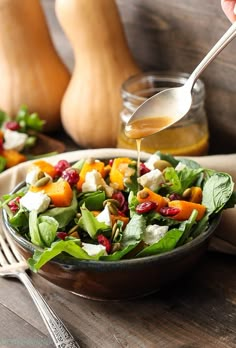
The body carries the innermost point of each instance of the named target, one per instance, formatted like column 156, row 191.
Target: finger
column 228, row 6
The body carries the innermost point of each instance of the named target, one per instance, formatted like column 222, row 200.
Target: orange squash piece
column 124, row 219
column 118, row 171
column 88, row 167
column 146, row 195
column 60, row 192
column 186, row 209
column 196, row 194
column 13, row 157
column 46, row 167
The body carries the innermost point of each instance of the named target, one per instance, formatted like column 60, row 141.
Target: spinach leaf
column 190, row 163
column 69, row 246
column 119, row 254
column 34, row 230
column 188, row 177
column 179, row 181
column 63, row 215
column 92, row 200
column 154, row 217
column 132, row 202
column 200, row 227
column 167, row 243
column 186, row 227
column 134, row 230
column 173, row 181
column 231, row 202
column 217, row 191
column 90, row 224
column 167, row 157
column 48, row 229
column 20, row 220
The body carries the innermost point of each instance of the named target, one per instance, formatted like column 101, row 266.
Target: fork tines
column 10, row 259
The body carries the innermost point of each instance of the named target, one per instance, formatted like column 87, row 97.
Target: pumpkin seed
column 112, row 208
column 90, row 160
column 41, row 174
column 187, row 193
column 161, row 165
column 115, row 247
column 113, row 231
column 143, row 194
column 43, row 181
column 73, row 229
column 112, row 201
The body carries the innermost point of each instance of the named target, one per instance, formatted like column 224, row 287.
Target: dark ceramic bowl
column 116, row 280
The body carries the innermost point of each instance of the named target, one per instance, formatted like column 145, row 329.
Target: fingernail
column 235, row 9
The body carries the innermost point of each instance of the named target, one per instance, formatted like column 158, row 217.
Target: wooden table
column 197, row 311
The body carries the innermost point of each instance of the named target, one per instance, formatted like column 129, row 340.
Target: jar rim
column 168, row 76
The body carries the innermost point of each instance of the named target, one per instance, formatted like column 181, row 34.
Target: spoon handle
column 216, row 49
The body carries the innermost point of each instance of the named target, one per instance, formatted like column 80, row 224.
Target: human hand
column 229, row 8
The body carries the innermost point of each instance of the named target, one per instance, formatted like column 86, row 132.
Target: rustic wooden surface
column 199, row 311
column 175, row 35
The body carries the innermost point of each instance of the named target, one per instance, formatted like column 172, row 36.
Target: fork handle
column 58, row 331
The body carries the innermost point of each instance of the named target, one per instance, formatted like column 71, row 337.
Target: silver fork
column 12, row 264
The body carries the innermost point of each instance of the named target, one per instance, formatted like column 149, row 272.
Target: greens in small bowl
column 104, row 220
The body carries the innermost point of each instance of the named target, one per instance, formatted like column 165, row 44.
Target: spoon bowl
column 169, row 106
column 159, row 112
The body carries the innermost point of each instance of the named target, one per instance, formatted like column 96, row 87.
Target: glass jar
column 188, row 137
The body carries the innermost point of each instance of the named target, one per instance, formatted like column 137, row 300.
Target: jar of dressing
column 188, row 137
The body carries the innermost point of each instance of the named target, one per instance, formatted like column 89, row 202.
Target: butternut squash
column 31, row 71
column 186, row 208
column 60, row 192
column 92, row 102
column 147, row 195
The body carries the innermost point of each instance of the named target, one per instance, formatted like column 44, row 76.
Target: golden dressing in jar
column 188, row 137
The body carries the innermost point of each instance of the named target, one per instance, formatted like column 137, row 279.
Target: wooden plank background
column 175, row 35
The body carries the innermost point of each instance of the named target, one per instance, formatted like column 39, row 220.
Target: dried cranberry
column 174, row 196
column 143, row 169
column 12, row 125
column 14, row 204
column 1, row 145
column 110, row 162
column 71, row 175
column 119, row 197
column 169, row 211
column 105, row 242
column 61, row 166
column 61, row 235
column 145, row 207
column 125, row 208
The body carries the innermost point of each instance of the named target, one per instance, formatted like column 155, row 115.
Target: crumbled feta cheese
column 151, row 161
column 14, row 140
column 93, row 180
column 152, row 179
column 180, row 166
column 38, row 201
column 105, row 216
column 94, row 249
column 32, row 175
column 154, row 233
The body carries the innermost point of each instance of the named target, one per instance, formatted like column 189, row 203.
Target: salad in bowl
column 115, row 210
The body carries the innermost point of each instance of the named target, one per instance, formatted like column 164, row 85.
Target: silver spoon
column 170, row 105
